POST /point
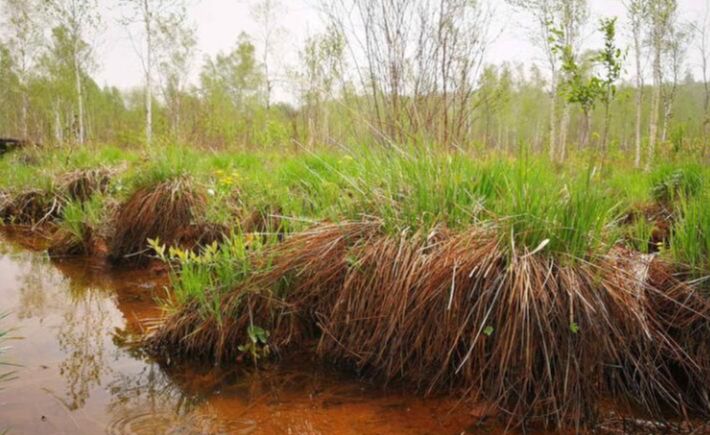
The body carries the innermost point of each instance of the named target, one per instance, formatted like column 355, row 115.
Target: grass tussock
column 155, row 212
column 79, row 231
column 81, row 185
column 32, row 207
column 464, row 312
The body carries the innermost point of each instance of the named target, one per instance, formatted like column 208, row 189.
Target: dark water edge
column 77, row 374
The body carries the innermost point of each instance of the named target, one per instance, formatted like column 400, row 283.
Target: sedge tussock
column 544, row 341
column 155, row 212
column 81, row 185
column 30, row 207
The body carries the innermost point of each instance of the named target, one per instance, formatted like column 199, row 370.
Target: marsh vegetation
column 533, row 242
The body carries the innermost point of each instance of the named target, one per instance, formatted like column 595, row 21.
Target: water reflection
column 81, row 375
column 81, row 338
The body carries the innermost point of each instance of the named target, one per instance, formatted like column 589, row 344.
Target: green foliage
column 690, row 240
column 166, row 162
column 578, row 87
column 610, row 58
column 568, row 216
column 572, row 212
column 207, row 275
column 638, row 234
column 258, row 345
column 670, row 182
column 78, row 217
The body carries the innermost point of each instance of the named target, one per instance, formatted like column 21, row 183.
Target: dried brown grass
column 31, row 207
column 541, row 339
column 155, row 212
column 83, row 184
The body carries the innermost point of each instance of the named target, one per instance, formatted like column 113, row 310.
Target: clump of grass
column 156, row 212
column 163, row 164
column 31, row 207
column 670, row 183
column 81, row 185
column 568, row 219
column 77, row 227
column 460, row 312
column 690, row 239
column 638, row 234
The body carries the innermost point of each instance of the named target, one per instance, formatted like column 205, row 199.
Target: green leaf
column 488, row 331
column 574, row 327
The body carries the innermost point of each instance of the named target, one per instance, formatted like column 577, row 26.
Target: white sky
column 219, row 22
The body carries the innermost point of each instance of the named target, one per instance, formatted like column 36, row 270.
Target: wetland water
column 77, row 374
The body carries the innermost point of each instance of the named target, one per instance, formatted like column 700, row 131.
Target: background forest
column 389, row 73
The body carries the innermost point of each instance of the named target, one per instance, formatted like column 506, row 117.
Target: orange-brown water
column 77, row 375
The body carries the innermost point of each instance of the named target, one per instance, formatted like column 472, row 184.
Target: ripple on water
column 165, row 422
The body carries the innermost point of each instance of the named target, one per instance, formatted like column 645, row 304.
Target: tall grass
column 690, row 240
column 78, row 217
column 572, row 210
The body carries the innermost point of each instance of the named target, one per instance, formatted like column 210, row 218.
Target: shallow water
column 77, row 374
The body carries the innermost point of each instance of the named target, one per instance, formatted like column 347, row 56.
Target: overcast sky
column 219, row 22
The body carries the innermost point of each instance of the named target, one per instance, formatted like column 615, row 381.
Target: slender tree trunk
column 637, row 126
column 24, row 115
column 564, row 125
column 607, row 120
column 667, row 108
column 639, row 98
column 148, row 75
column 706, row 112
column 586, row 127
column 79, row 93
column 655, row 102
column 553, row 117
column 178, row 121
column 58, row 134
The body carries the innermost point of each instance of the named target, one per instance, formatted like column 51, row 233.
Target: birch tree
column 266, row 13
column 611, row 59
column 80, row 18
column 637, row 11
column 418, row 62
column 702, row 41
column 702, row 45
column 569, row 16
column 323, row 64
column 150, row 15
column 177, row 42
column 23, row 43
column 677, row 38
column 659, row 12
